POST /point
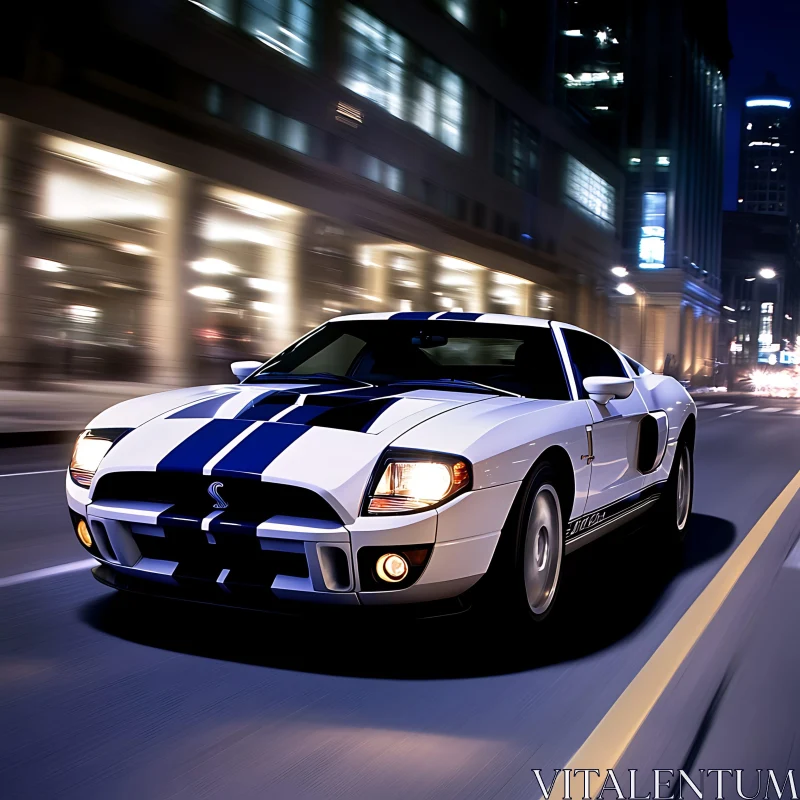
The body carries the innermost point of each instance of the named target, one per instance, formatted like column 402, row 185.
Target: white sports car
column 394, row 458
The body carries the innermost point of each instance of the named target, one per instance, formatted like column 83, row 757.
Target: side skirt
column 588, row 528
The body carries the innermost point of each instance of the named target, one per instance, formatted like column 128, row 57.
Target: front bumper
column 288, row 561
column 266, row 601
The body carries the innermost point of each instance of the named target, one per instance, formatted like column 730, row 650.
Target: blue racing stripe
column 467, row 316
column 205, row 409
column 413, row 315
column 264, row 411
column 354, row 417
column 194, row 452
column 254, row 453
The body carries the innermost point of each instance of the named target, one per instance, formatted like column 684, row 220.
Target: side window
column 637, row 368
column 590, row 357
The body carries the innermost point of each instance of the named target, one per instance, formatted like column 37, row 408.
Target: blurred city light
column 783, row 382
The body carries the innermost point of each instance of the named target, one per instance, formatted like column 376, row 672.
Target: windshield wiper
column 455, row 383
column 313, row 377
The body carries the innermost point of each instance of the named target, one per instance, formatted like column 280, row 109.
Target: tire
column 675, row 507
column 527, row 575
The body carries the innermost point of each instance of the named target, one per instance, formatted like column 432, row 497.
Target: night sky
column 765, row 36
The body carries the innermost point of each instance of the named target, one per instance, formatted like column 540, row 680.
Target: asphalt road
column 101, row 697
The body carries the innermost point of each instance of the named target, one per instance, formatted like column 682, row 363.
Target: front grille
column 203, row 559
column 247, row 499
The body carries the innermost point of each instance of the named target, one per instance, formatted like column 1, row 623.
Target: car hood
column 318, row 436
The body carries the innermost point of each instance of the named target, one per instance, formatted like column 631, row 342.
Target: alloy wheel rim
column 683, row 489
column 543, row 547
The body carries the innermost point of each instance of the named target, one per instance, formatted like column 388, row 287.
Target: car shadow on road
column 611, row 590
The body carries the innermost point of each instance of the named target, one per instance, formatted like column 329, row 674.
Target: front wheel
column 533, row 552
column 675, row 507
column 542, row 549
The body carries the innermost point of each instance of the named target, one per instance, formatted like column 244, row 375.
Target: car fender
column 663, row 393
column 504, row 440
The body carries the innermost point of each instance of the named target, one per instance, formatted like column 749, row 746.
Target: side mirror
column 242, row 369
column 601, row 389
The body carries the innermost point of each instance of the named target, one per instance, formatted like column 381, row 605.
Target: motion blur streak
column 38, row 574
column 615, row 732
column 23, row 474
column 138, row 271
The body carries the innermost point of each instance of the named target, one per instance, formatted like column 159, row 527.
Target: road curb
column 34, row 438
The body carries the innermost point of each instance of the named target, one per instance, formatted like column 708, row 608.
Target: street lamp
column 767, row 273
column 626, row 289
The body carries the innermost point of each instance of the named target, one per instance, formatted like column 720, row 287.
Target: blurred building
column 756, row 317
column 767, row 144
column 762, row 236
column 648, row 79
column 186, row 182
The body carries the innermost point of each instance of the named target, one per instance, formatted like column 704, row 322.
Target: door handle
column 589, row 457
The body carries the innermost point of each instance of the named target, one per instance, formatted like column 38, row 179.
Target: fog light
column 391, row 568
column 83, row 533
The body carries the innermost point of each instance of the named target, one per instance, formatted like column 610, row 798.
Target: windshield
column 518, row 359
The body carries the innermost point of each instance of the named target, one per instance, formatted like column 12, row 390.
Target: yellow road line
column 609, row 740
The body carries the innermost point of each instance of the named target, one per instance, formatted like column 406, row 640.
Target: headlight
column 90, row 449
column 415, row 480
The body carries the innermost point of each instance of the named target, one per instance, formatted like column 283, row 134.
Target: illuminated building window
column 373, row 169
column 283, row 25
column 268, row 124
column 586, row 80
column 378, row 67
column 451, row 109
column 590, row 192
column 765, row 324
column 653, row 235
column 438, row 103
column 375, row 65
column 222, row 9
column 293, row 134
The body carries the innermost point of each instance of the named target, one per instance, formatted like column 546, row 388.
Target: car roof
column 458, row 316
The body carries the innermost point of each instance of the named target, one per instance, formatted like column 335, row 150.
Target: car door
column 615, row 428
